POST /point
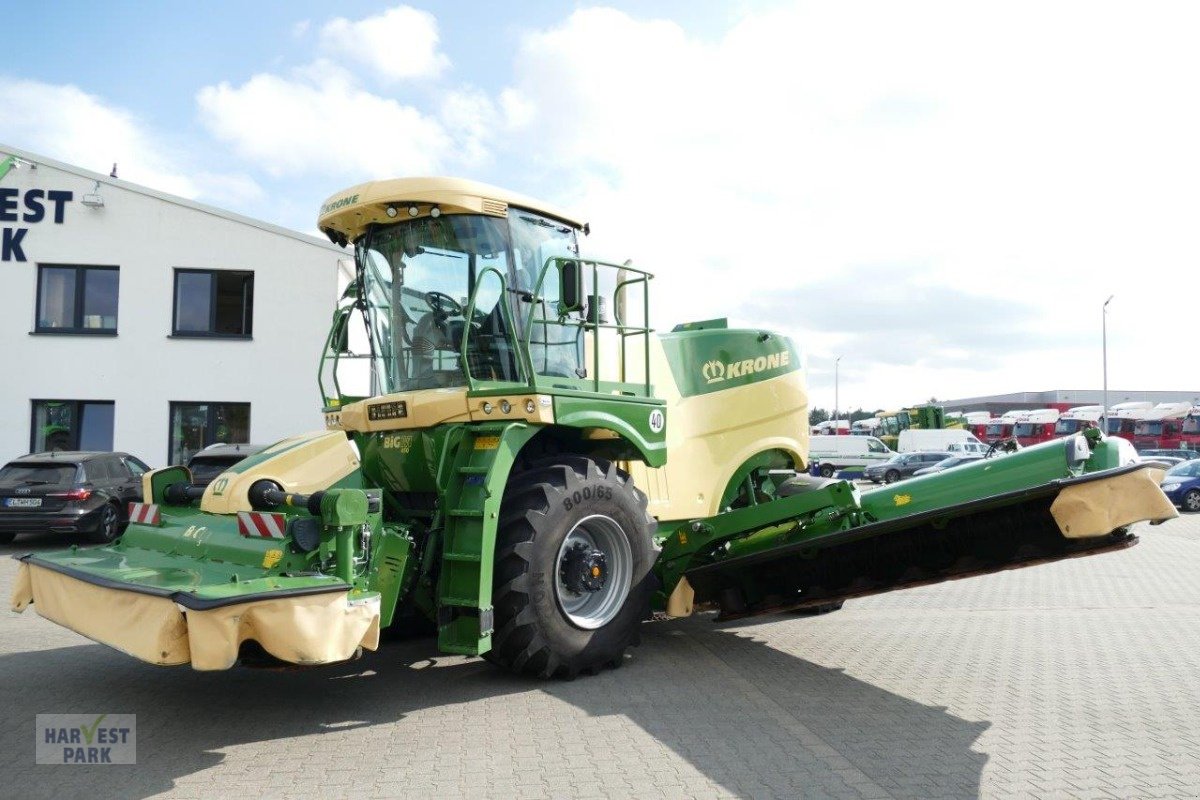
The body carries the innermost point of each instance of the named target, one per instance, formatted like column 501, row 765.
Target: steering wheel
column 443, row 304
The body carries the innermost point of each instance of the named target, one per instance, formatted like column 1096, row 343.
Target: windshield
column 1191, row 425
column 1118, row 425
column 1026, row 429
column 1064, row 426
column 417, row 278
column 1148, row 428
column 892, row 424
column 1188, row 469
column 997, row 429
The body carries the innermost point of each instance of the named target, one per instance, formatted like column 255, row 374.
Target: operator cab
column 458, row 285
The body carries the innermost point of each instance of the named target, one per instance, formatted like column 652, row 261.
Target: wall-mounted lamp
column 93, row 199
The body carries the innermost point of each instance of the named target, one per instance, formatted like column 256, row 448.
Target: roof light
column 413, row 211
column 391, row 211
column 435, row 212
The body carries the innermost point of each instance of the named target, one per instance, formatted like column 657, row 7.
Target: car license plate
column 23, row 502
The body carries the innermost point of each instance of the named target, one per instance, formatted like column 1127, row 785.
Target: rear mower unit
column 513, row 455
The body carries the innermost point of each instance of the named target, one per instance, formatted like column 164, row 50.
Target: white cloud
column 1044, row 153
column 321, row 122
column 401, row 43
column 63, row 122
column 66, row 123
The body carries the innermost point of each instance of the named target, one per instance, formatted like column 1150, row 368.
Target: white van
column 850, row 453
column 916, row 440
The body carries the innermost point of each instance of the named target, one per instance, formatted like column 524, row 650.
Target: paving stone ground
column 1079, row 679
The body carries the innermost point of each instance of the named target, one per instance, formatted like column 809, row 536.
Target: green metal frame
column 474, row 470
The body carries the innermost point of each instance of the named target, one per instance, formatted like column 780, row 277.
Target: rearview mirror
column 570, row 275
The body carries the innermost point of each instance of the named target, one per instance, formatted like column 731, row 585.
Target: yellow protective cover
column 310, row 629
column 1095, row 508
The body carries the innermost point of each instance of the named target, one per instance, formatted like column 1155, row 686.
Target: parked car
column 947, row 463
column 77, row 493
column 1182, row 485
column 215, row 459
column 1168, row 460
column 902, row 466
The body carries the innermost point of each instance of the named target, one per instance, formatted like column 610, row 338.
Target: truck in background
column 1162, row 424
column 1074, row 420
column 1124, row 416
column 926, row 417
column 827, row 428
column 916, row 440
column 1189, row 431
column 864, row 427
column 1035, row 426
column 1000, row 427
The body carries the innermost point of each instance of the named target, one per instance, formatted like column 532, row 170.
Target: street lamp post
column 1104, row 351
column 837, row 428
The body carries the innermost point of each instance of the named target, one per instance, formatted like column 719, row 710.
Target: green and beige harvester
column 515, row 456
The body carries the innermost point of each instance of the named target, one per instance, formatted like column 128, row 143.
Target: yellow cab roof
column 345, row 216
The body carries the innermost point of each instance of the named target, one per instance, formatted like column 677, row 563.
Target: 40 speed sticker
column 658, row 420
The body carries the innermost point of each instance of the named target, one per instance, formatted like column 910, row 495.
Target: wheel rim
column 594, row 609
column 891, row 477
column 1192, row 501
column 108, row 523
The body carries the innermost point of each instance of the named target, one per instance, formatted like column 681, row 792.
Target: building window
column 77, row 299
column 195, row 426
column 71, row 425
column 213, row 303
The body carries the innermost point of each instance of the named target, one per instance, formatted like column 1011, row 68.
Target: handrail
column 594, row 323
column 506, row 312
column 340, row 313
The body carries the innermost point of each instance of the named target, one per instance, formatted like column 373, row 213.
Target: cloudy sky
column 943, row 194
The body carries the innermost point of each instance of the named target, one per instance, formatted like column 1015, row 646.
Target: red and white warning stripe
column 260, row 525
column 144, row 513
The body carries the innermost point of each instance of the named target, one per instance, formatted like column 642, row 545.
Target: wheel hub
column 583, row 569
column 594, row 572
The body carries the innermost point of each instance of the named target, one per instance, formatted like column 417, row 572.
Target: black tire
column 1191, row 500
column 826, row 470
column 108, row 527
column 542, row 506
column 7, row 537
column 891, row 476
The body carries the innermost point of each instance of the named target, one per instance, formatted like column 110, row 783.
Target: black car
column 902, row 466
column 86, row 494
column 215, row 459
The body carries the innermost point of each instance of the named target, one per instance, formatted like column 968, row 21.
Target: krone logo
column 717, row 371
column 713, row 371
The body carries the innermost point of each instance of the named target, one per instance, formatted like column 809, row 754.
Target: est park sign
column 29, row 207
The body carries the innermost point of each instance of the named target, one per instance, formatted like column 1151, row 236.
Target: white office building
column 134, row 320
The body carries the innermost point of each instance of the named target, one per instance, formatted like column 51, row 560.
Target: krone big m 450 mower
column 515, row 456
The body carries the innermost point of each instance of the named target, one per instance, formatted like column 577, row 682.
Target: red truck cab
column 1074, row 420
column 1162, row 427
column 1035, row 426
